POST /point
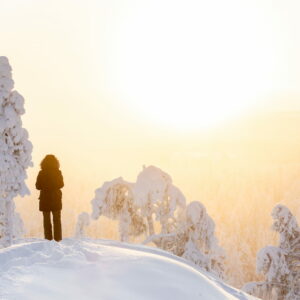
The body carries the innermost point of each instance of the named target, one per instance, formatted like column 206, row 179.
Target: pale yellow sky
column 112, row 85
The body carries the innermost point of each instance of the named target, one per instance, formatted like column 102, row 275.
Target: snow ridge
column 102, row 269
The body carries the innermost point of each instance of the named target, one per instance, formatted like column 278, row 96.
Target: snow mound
column 102, row 269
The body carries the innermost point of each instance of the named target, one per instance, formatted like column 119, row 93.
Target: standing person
column 49, row 182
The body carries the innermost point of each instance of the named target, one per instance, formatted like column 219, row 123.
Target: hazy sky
column 112, row 85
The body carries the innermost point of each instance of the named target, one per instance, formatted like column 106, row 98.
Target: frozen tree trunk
column 166, row 209
column 149, row 217
column 123, row 228
column 9, row 223
column 4, row 223
column 150, row 225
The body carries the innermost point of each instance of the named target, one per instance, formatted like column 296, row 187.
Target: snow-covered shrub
column 280, row 265
column 82, row 222
column 15, row 154
column 115, row 200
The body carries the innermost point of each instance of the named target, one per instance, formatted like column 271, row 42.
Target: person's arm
column 60, row 181
column 38, row 183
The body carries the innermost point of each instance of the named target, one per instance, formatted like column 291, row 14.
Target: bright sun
column 192, row 65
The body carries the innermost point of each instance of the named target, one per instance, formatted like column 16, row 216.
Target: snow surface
column 102, row 269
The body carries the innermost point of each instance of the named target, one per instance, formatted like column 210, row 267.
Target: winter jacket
column 49, row 182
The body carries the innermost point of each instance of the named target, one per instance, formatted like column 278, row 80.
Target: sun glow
column 180, row 67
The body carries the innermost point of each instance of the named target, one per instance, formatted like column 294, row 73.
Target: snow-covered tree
column 15, row 154
column 186, row 231
column 115, row 200
column 202, row 246
column 157, row 197
column 287, row 227
column 194, row 240
column 271, row 262
column 153, row 206
column 280, row 265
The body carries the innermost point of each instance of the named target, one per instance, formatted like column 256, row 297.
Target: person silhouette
column 49, row 182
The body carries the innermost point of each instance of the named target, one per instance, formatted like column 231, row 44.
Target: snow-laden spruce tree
column 115, row 200
column 280, row 265
column 15, row 154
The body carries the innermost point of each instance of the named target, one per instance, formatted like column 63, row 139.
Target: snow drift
column 101, row 269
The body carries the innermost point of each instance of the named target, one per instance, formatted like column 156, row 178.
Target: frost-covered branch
column 115, row 200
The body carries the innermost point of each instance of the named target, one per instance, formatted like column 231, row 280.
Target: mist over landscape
column 207, row 93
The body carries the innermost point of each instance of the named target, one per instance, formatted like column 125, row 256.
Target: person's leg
column 47, row 225
column 57, row 225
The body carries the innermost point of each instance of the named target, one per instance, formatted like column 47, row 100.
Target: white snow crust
column 102, row 269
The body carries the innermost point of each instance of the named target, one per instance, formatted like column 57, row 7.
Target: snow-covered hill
column 102, row 269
